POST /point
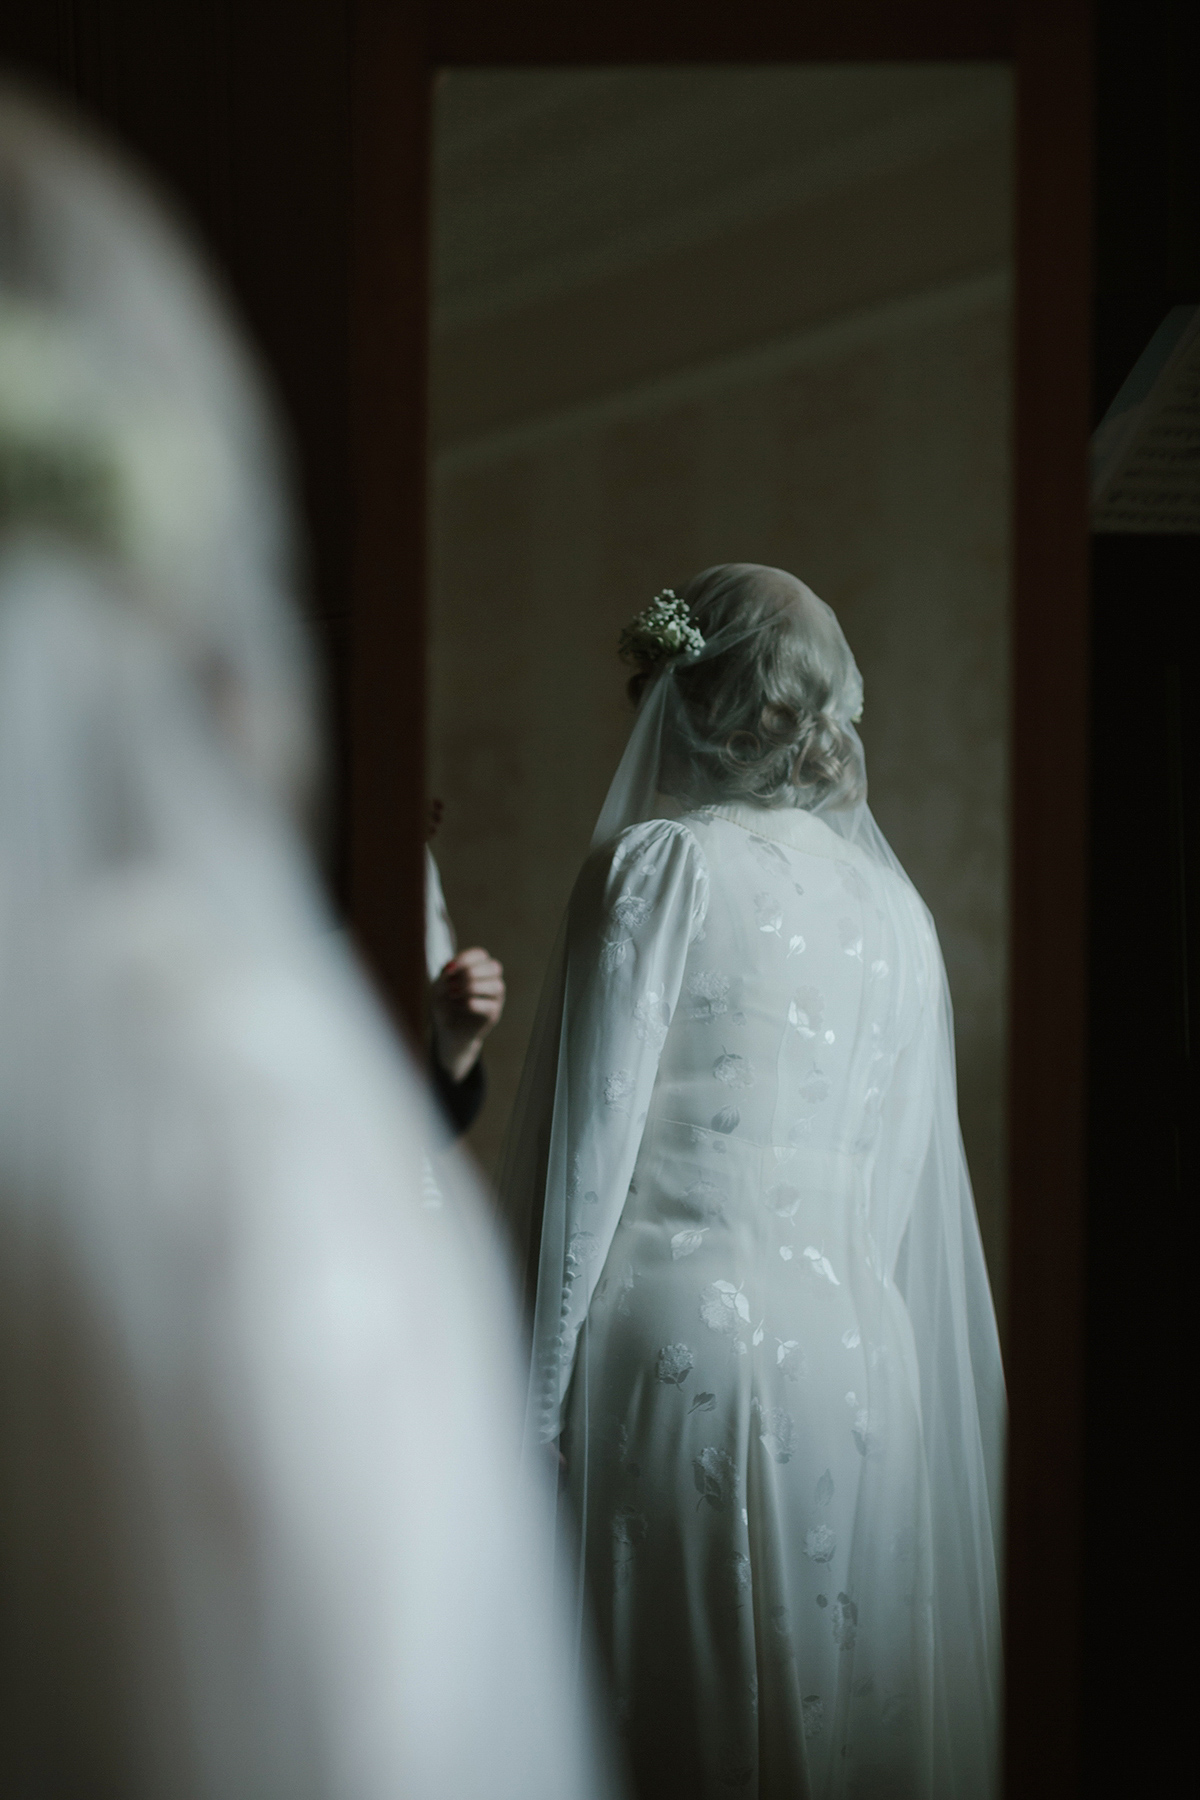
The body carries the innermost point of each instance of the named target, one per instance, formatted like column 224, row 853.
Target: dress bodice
column 807, row 978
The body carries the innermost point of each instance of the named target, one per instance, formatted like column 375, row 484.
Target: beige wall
column 817, row 379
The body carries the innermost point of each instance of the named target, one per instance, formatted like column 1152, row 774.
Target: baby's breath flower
column 660, row 631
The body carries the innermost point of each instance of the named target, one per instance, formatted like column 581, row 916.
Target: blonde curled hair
column 766, row 709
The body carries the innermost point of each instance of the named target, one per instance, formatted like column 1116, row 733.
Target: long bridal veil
column 918, row 1212
column 262, row 1528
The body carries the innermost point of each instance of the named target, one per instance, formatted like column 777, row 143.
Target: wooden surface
column 384, row 673
column 1047, row 1021
column 532, row 32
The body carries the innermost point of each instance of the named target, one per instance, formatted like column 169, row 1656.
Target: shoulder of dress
column 662, row 842
column 656, row 832
column 653, row 859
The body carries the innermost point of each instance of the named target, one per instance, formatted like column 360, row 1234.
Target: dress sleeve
column 636, row 908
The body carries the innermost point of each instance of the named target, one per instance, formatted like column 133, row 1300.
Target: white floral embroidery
column 851, row 936
column 866, row 1434
column 805, row 1011
column 704, row 1200
column 631, row 910
column 617, row 1087
column 768, row 914
column 722, row 1305
column 820, row 1544
column 685, row 1243
column 776, row 1436
column 575, row 1194
column 675, row 1364
column 821, row 1264
column 783, row 1201
column 581, row 1249
column 734, row 1070
column 628, row 913
column 727, row 1120
column 708, row 993
column 652, row 1016
column 715, row 1477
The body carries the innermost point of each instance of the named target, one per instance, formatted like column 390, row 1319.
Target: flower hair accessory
column 660, row 631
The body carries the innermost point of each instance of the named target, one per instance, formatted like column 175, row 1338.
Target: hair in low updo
column 763, row 721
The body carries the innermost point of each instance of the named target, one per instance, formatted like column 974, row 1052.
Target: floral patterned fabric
column 745, row 1090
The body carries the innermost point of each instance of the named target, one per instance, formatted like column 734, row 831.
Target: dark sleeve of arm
column 460, row 1101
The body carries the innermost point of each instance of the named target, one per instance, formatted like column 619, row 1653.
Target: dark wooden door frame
column 398, row 46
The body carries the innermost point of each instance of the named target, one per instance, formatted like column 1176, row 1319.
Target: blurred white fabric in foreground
column 262, row 1529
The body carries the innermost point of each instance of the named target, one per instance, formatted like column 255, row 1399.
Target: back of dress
column 806, row 984
column 748, row 1377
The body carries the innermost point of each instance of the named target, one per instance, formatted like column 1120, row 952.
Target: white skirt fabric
column 722, row 1396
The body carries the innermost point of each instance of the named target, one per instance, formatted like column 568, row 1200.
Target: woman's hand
column 466, row 1002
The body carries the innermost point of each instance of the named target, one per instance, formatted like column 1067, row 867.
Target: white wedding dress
column 762, row 1325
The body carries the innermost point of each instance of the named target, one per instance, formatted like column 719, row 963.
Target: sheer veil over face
column 737, row 1129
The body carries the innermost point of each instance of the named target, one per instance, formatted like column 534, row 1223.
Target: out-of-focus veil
column 922, row 1214
column 261, row 1526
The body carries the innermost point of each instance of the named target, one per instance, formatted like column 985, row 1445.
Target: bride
column 763, row 1338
